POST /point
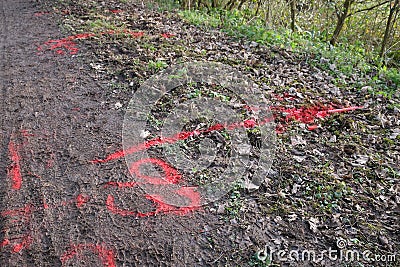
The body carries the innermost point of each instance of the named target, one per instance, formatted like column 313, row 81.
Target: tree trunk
column 342, row 15
column 259, row 2
column 388, row 27
column 230, row 5
column 293, row 15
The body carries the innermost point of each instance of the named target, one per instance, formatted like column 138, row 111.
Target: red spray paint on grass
column 282, row 115
column 105, row 255
column 306, row 115
column 167, row 35
column 68, row 44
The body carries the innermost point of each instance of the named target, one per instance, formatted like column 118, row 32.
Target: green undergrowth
column 343, row 62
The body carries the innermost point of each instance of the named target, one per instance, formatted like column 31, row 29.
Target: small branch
column 368, row 8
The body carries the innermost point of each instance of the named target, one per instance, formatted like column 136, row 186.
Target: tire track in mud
column 18, row 195
column 29, row 83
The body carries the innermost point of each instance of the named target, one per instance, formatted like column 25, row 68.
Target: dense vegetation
column 344, row 37
column 373, row 23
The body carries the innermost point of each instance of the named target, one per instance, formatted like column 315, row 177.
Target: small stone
column 118, row 105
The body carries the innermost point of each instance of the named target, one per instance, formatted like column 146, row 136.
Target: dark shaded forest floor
column 333, row 185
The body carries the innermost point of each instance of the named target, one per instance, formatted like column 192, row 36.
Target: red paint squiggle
column 172, row 176
column 105, row 255
column 39, row 14
column 120, row 184
column 161, row 207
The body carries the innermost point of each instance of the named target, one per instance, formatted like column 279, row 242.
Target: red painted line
column 344, row 109
column 247, row 124
column 167, row 35
column 14, row 171
column 306, row 115
column 312, row 127
column 105, row 255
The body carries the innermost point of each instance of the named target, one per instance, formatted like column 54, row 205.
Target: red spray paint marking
column 247, row 124
column 81, row 200
column 14, row 171
column 26, row 242
column 116, row 11
column 105, row 255
column 21, row 217
column 307, row 115
column 282, row 114
column 172, row 176
column 26, row 133
column 69, row 44
column 167, row 35
column 161, row 206
column 188, row 192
